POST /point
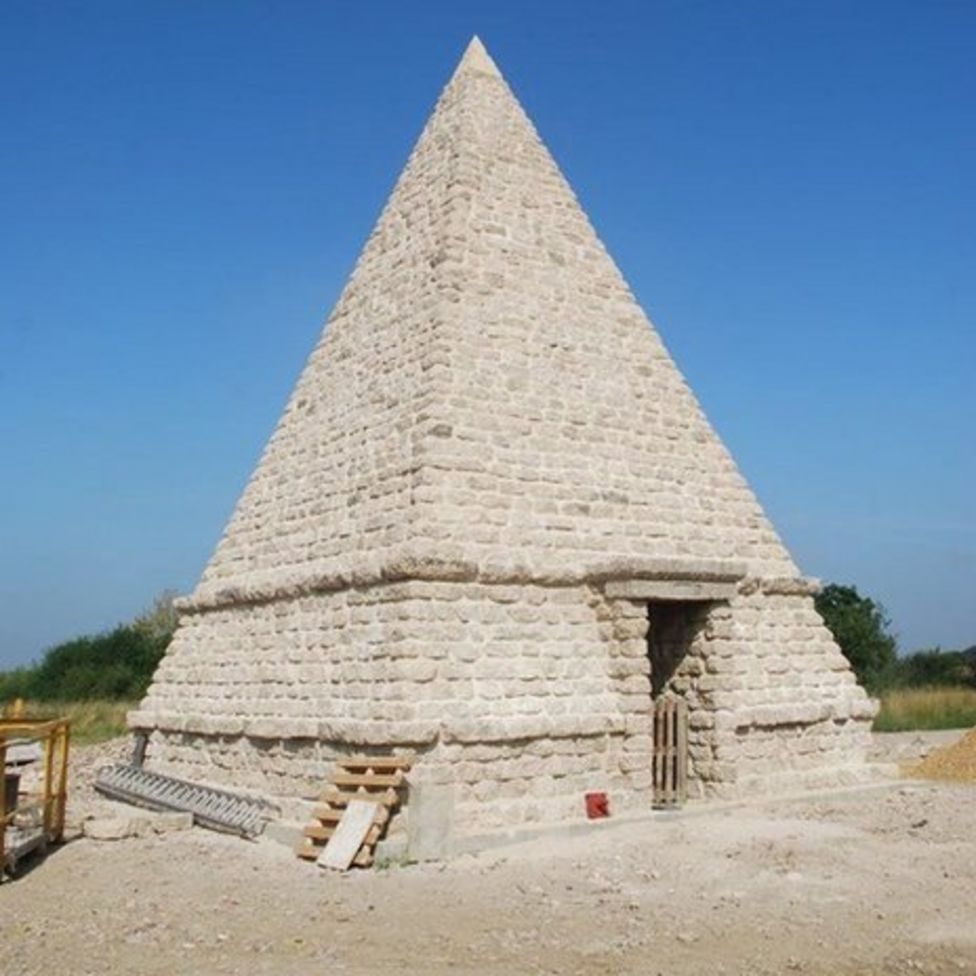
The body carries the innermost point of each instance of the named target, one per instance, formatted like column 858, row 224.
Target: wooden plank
column 327, row 814
column 682, row 753
column 369, row 781
column 657, row 753
column 349, row 835
column 333, row 815
column 341, row 799
column 318, row 832
column 668, row 753
column 666, row 714
column 672, row 751
column 375, row 762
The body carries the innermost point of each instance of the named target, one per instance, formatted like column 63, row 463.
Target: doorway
column 672, row 628
column 675, row 650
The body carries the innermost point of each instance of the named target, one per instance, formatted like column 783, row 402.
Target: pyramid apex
column 476, row 59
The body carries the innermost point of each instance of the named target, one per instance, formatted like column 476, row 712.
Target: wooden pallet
column 377, row 779
column 670, row 756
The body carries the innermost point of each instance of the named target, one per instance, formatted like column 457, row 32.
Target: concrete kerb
column 396, row 849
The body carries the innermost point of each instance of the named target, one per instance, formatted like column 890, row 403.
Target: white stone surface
column 442, row 546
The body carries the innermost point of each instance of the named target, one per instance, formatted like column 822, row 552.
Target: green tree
column 860, row 627
column 937, row 668
column 117, row 664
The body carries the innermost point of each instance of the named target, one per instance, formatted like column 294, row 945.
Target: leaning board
column 349, row 835
column 377, row 779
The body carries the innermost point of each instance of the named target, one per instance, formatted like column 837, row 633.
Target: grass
column 914, row 709
column 91, row 721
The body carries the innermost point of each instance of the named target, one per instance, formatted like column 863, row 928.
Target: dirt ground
column 879, row 881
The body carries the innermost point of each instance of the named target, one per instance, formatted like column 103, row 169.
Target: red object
column 597, row 805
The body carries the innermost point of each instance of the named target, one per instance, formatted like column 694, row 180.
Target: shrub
column 119, row 664
column 936, row 668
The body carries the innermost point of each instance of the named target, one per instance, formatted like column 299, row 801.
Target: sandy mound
column 955, row 762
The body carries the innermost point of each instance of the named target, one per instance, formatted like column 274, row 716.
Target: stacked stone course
column 488, row 470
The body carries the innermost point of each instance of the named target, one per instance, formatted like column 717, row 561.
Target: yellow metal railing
column 53, row 736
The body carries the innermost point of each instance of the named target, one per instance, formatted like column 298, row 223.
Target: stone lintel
column 684, row 590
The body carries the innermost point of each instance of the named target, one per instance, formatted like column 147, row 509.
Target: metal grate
column 670, row 758
column 213, row 808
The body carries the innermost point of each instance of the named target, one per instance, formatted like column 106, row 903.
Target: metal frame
column 211, row 807
column 54, row 737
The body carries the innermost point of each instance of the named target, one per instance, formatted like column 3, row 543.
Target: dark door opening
column 675, row 655
column 669, row 638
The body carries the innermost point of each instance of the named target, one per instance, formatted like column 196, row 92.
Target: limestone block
column 430, row 824
column 629, row 628
column 115, row 828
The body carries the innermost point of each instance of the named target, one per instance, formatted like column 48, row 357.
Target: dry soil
column 858, row 882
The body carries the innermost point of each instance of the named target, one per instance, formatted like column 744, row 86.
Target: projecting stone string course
column 492, row 524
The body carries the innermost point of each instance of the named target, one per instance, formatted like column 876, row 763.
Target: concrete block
column 430, row 821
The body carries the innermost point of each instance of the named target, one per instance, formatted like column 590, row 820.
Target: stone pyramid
column 488, row 471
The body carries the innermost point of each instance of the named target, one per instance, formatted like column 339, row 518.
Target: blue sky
column 789, row 188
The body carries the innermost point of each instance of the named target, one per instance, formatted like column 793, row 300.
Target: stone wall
column 523, row 696
column 501, row 689
column 772, row 701
column 788, row 709
column 404, row 659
